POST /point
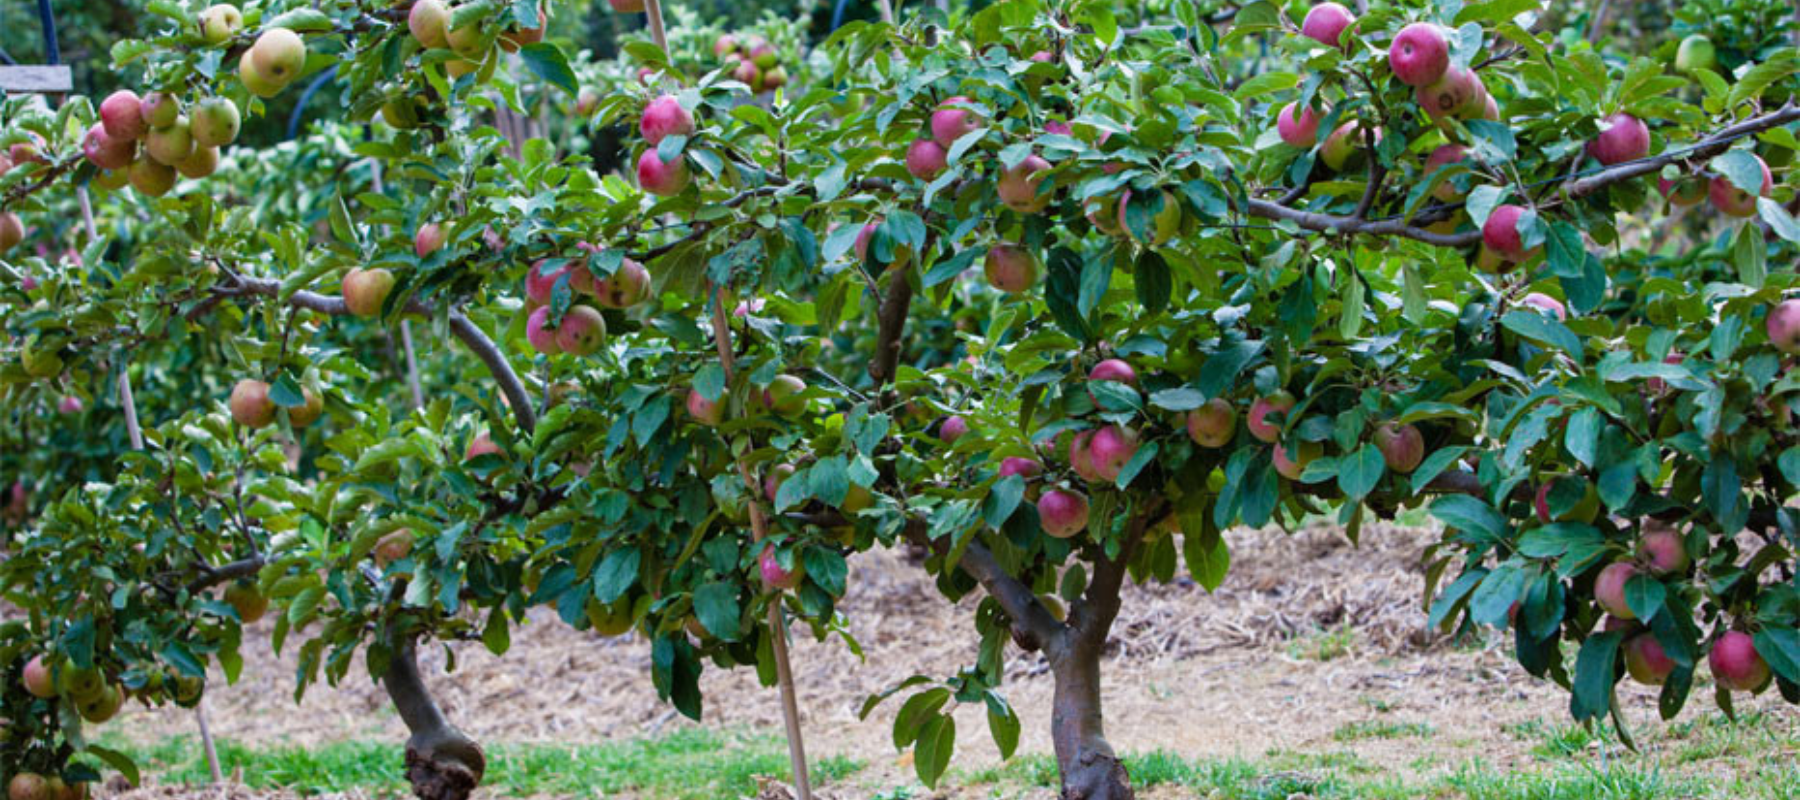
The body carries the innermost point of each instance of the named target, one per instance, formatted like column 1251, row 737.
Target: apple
column 1113, row 369
column 626, row 287
column 866, row 237
column 250, row 404
column 1291, row 465
column 1490, row 110
column 366, row 289
column 1682, row 191
column 950, row 122
column 582, row 331
column 1343, row 148
column 1023, row 467
column 610, row 619
column 748, row 74
column 428, row 239
column 539, row 333
column 1062, row 513
column 1258, row 421
column 121, row 114
column 254, row 80
column 1081, row 458
column 1164, row 224
column 774, row 78
column 726, row 43
column 1663, row 551
column 1325, row 23
column 468, row 41
column 28, row 786
column 775, row 578
column 279, row 55
column 540, row 285
column 218, row 23
column 37, row 678
column 1545, row 303
column 170, row 144
column 1731, row 200
column 1736, row 666
column 306, row 414
column 659, row 178
column 665, row 117
column 1501, row 233
column 926, row 159
column 159, row 109
column 1299, row 129
column 1213, row 423
column 1103, row 214
column 783, row 396
column 1444, row 156
column 429, row 22
column 12, row 231
column 1110, row 449
column 587, row 101
column 250, row 604
column 69, row 404
column 627, row 6
column 1450, row 95
column 1020, row 185
column 1058, row 127
column 1696, row 53
column 1402, row 446
column 1622, row 138
column 778, row 475
column 458, row 67
column 1784, row 326
column 706, row 412
column 952, row 428
column 1646, row 661
column 202, row 162
column 1584, row 510
column 856, row 498
column 481, row 445
column 511, row 40
column 1010, row 268
column 106, row 152
column 215, row 122
column 393, row 546
column 1419, row 55
column 1609, row 588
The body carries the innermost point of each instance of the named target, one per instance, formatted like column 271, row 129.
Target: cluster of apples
column 429, row 23
column 252, row 407
column 758, row 65
column 582, row 329
column 87, row 689
column 33, row 786
column 663, row 117
column 147, row 141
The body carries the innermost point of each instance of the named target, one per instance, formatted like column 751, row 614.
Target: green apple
column 1696, row 52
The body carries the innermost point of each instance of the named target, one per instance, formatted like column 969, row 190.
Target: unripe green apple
column 279, row 55
column 429, row 22
column 159, row 109
column 152, row 178
column 202, row 162
column 1696, row 52
column 366, row 289
column 220, row 22
column 215, row 122
column 254, row 80
column 1163, row 226
column 170, row 144
column 468, row 41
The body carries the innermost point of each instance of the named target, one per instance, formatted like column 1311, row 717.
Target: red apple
column 1020, row 186
column 69, row 404
column 1110, row 449
column 37, row 678
column 1325, row 23
column 1022, row 467
column 582, row 331
column 777, row 475
column 1731, row 200
column 952, row 428
column 107, row 152
column 1663, row 550
column 1784, row 326
column 1062, row 513
column 1419, row 55
column 1545, row 303
column 1501, row 233
column 1163, row 225
column 1622, row 138
column 1450, row 94
column 866, row 237
column 1646, row 661
column 1258, row 422
column 1299, row 129
column 539, row 333
column 1081, row 459
column 951, row 122
column 1010, row 268
column 665, row 117
column 1291, row 465
column 774, row 577
column 659, row 178
column 250, row 404
column 1444, row 156
column 626, row 287
column 706, row 412
column 121, row 114
column 1609, row 588
column 429, row 239
column 1736, row 665
column 1683, row 191
column 1213, row 423
column 926, row 159
column 1402, row 446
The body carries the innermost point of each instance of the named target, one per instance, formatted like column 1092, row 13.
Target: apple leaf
column 547, row 61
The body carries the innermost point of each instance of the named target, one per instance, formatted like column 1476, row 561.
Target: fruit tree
column 1053, row 290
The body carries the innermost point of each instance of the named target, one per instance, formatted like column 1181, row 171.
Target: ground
column 1308, row 674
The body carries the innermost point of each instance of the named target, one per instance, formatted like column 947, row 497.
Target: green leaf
column 716, row 606
column 285, row 392
column 299, row 19
column 496, row 635
column 1543, row 330
column 119, row 761
column 1596, row 671
column 1003, row 724
column 616, row 574
column 931, row 755
column 1434, row 465
column 1139, row 460
column 1208, row 558
column 1742, row 169
column 1180, row 399
column 1359, row 472
column 1470, row 514
column 709, row 381
column 547, row 61
column 1644, row 595
column 1779, row 645
column 1152, row 281
column 1002, row 500
column 1266, row 83
column 1779, row 219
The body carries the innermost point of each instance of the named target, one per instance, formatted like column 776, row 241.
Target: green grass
column 1382, row 729
column 689, row 764
column 1323, row 645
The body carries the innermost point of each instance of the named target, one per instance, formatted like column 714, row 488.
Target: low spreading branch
column 1033, row 625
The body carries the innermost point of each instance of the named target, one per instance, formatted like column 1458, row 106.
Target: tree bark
column 1090, row 770
column 442, row 763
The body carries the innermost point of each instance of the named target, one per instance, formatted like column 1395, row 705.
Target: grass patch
column 1382, row 729
column 688, row 764
column 1323, row 645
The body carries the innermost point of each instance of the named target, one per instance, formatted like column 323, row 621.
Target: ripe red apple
column 1020, row 466
column 250, row 604
column 926, row 159
column 952, row 428
column 1646, row 661
column 202, row 162
column 1419, row 55
column 1731, row 200
column 540, row 284
column 706, row 412
column 1325, row 23
column 1299, row 129
column 539, row 333
column 1110, row 449
column 778, row 475
column 121, row 114
column 250, row 404
column 1020, row 186
column 396, row 545
column 170, row 144
column 1443, row 156
column 279, row 55
column 1163, row 225
column 1609, row 588
column 28, row 786
column 1501, row 233
column 1682, row 192
column 783, row 396
column 1784, row 326
column 774, row 577
column 664, row 117
column 1545, row 303
column 1622, row 138
column 749, row 74
column 481, row 445
column 1010, row 268
column 1058, row 127
column 366, row 289
column 151, row 177
column 582, row 331
column 951, row 122
column 1450, row 94
column 1736, row 665
column 1213, row 423
column 1113, row 369
column 626, row 287
column 106, row 152
column 37, row 678
column 1291, row 465
column 1062, row 513
column 1402, row 446
column 69, row 404
column 1258, row 421
column 428, row 239
column 1663, row 550
column 218, row 23
column 215, row 122
column 1081, row 458
column 659, row 178
column 726, row 43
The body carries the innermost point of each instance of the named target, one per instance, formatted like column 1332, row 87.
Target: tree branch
column 892, row 321
column 1032, row 623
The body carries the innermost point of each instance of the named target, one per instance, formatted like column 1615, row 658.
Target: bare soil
column 1236, row 673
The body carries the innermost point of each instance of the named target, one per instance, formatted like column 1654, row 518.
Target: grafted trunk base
column 1096, row 775
column 444, row 765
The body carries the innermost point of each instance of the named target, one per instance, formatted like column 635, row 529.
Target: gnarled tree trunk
column 442, row 763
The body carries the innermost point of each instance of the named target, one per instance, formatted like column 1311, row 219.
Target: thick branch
column 1315, row 221
column 892, row 320
column 213, row 576
column 1031, row 621
column 1705, row 148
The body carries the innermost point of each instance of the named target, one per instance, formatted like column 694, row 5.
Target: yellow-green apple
column 151, row 177
column 1213, row 423
column 170, row 144
column 215, row 122
column 218, row 23
column 429, row 23
column 783, row 396
column 366, row 289
column 279, row 55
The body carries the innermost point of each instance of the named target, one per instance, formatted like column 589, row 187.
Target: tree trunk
column 441, row 762
column 1090, row 770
